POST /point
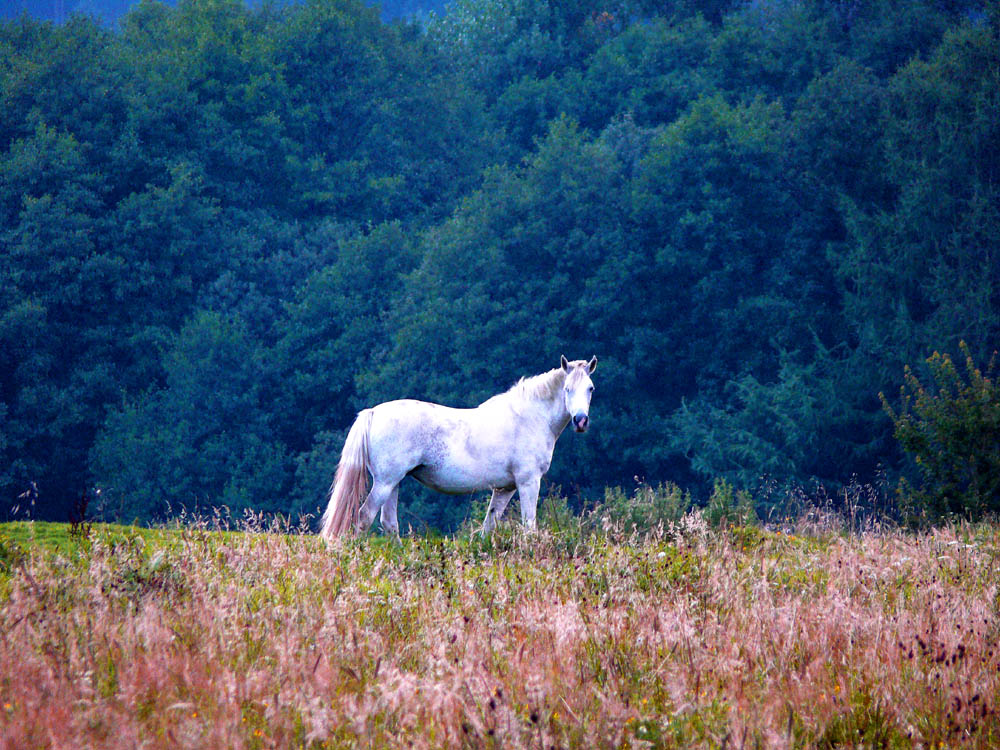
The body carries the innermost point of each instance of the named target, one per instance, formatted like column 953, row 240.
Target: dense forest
column 110, row 12
column 224, row 229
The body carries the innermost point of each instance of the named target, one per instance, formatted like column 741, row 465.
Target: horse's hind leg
column 377, row 498
column 497, row 505
column 388, row 518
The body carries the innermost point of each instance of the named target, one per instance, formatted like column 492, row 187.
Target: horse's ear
column 563, row 362
column 591, row 365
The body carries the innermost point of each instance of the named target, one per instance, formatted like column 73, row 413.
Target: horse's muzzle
column 581, row 422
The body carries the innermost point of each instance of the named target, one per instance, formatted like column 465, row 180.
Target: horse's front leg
column 498, row 504
column 527, row 493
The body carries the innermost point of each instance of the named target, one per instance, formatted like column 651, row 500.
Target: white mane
column 540, row 387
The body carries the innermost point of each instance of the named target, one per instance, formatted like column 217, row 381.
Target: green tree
column 836, row 140
column 885, row 35
column 650, row 72
column 772, row 49
column 382, row 130
column 951, row 429
column 204, row 439
column 711, row 208
column 919, row 272
column 776, row 431
column 63, row 77
column 54, row 347
column 525, row 57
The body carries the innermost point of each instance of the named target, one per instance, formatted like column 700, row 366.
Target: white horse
column 504, row 444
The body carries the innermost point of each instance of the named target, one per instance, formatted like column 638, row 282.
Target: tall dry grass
column 735, row 638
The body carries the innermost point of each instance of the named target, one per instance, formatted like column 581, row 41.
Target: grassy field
column 738, row 637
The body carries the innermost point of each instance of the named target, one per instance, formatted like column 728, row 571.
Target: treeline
column 225, row 230
column 110, row 12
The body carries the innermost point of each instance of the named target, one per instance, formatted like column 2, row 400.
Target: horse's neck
column 543, row 394
column 558, row 418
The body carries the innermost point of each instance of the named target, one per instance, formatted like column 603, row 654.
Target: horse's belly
column 459, row 480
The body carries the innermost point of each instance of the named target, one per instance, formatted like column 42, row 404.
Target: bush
column 952, row 431
column 728, row 507
column 646, row 509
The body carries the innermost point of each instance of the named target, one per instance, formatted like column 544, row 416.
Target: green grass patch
column 67, row 540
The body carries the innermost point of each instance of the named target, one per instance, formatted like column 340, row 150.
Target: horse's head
column 577, row 391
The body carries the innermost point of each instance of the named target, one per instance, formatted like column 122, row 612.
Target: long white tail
column 350, row 485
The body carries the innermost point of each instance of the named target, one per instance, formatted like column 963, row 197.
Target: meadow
column 684, row 635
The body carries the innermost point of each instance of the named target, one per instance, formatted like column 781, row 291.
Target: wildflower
column 7, row 706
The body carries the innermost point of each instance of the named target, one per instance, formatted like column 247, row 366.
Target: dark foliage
column 225, row 228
